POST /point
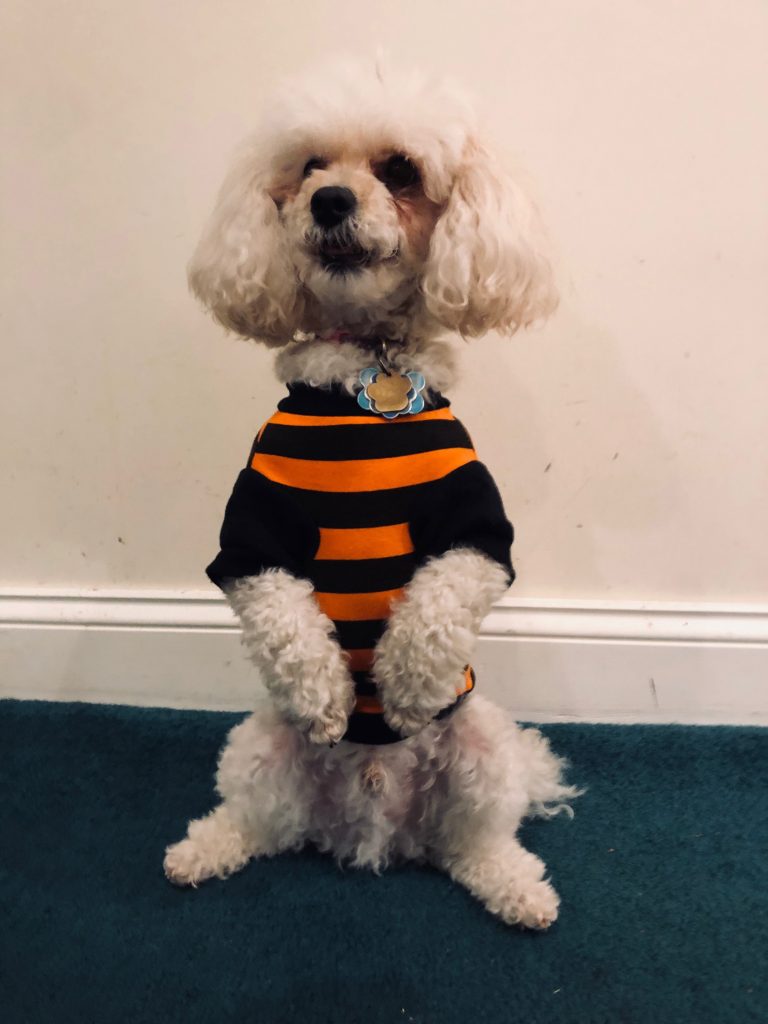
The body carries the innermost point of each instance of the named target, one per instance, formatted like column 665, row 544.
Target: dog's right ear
column 241, row 270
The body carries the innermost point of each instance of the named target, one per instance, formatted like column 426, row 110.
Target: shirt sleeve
column 464, row 510
column 264, row 528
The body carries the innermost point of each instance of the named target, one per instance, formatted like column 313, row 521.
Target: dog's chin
column 352, row 283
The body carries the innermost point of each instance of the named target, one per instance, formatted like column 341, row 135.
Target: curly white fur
column 482, row 268
column 461, row 250
column 452, row 795
column 323, row 363
column 487, row 269
column 290, row 641
column 419, row 662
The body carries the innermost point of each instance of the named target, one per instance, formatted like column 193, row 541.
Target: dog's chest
column 362, row 479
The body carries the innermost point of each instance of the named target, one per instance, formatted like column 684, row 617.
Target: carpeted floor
column 663, row 874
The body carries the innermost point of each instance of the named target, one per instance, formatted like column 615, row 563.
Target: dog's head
column 368, row 203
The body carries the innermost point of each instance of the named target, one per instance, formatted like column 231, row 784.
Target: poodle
column 364, row 542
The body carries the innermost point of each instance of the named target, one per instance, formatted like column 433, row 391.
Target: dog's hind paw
column 183, row 864
column 536, row 907
column 213, row 847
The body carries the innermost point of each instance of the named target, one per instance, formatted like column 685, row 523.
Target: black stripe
column 364, row 685
column 368, row 441
column 362, row 634
column 457, row 703
column 358, row 509
column 361, row 575
column 363, row 728
column 333, row 401
column 372, row 728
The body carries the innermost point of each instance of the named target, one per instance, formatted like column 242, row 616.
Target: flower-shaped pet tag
column 391, row 394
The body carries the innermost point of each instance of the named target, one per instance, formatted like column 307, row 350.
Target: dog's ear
column 241, row 269
column 486, row 268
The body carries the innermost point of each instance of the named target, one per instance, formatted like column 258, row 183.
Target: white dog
column 364, row 543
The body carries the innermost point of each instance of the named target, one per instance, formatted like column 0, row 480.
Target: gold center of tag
column 389, row 392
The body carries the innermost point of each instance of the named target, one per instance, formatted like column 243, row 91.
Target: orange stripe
column 468, row 684
column 351, row 607
column 368, row 706
column 360, row 659
column 293, row 419
column 350, row 475
column 372, row 705
column 369, row 542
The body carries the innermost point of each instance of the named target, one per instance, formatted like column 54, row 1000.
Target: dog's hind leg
column 214, row 846
column 507, row 878
column 491, row 776
column 262, row 779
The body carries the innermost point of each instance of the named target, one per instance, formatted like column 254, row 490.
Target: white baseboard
column 544, row 660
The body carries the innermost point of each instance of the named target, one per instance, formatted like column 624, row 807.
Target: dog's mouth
column 343, row 258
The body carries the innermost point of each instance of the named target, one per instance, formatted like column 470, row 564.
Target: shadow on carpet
column 662, row 874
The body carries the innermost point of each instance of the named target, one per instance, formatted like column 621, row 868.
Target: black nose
column 331, row 205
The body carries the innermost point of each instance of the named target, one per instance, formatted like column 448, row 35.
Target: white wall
column 642, row 124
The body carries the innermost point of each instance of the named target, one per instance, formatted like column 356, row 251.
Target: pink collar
column 339, row 336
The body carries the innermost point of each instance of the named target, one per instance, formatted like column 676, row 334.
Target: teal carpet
column 663, row 874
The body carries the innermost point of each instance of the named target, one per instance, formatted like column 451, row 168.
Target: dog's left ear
column 486, row 268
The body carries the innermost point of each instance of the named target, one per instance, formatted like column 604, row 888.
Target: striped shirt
column 356, row 503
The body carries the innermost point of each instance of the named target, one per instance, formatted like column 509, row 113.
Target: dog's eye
column 315, row 163
column 398, row 172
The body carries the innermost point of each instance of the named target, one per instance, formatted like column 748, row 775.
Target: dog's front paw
column 414, row 686
column 330, row 726
column 418, row 665
column 409, row 720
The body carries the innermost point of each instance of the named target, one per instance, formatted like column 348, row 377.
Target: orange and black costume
column 356, row 503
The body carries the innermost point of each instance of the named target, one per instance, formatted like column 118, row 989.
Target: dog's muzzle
column 333, row 239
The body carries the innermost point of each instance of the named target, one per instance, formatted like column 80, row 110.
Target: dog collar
column 384, row 389
column 388, row 391
column 340, row 336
